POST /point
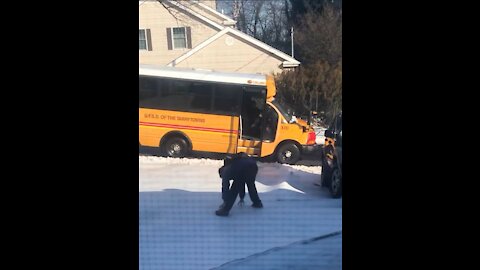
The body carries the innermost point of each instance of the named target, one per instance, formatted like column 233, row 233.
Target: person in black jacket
column 243, row 170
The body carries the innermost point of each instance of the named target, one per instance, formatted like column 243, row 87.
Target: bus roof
column 202, row 75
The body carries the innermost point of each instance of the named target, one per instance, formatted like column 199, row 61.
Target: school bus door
column 250, row 135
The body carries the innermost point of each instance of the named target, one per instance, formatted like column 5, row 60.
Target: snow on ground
column 320, row 134
column 179, row 230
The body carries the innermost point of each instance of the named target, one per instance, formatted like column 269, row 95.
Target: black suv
column 331, row 176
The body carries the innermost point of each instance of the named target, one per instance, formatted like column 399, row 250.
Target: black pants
column 248, row 178
column 226, row 188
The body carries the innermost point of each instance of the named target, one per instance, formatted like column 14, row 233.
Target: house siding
column 205, row 13
column 210, row 3
column 153, row 16
column 228, row 53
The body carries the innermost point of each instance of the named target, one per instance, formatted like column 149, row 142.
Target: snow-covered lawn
column 178, row 227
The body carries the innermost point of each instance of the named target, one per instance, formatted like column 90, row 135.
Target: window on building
column 144, row 39
column 179, row 38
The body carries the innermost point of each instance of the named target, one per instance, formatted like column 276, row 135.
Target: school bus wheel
column 288, row 153
column 176, row 147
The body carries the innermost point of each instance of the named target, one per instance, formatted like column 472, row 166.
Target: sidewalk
column 321, row 253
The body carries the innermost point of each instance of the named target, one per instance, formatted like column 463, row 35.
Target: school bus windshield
column 284, row 109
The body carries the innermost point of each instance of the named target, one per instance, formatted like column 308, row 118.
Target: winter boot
column 221, row 212
column 257, row 205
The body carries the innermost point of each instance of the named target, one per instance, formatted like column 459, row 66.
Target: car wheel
column 176, row 147
column 336, row 183
column 288, row 153
column 326, row 156
column 325, row 174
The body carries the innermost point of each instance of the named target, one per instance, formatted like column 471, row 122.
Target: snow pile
column 184, row 161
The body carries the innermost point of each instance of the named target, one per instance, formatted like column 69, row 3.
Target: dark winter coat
column 238, row 167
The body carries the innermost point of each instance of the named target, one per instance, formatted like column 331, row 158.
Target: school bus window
column 148, row 92
column 178, row 96
column 227, row 99
column 284, row 109
column 201, row 97
column 180, row 87
column 270, row 125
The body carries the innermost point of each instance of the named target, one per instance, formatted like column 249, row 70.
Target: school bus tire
column 288, row 153
column 176, row 147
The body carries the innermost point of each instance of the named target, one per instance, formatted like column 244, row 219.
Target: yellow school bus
column 185, row 110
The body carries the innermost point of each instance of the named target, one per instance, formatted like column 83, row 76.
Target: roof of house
column 227, row 20
column 288, row 60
